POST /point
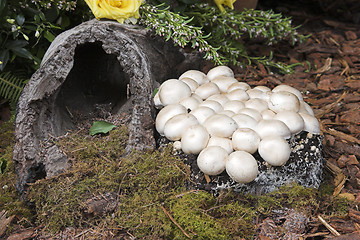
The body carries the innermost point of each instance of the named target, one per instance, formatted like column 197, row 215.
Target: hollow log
column 98, row 63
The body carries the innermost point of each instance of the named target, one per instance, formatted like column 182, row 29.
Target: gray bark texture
column 98, row 63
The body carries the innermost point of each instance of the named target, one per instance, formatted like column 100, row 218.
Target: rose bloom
column 119, row 10
column 228, row 3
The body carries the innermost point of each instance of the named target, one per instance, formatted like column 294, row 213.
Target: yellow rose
column 228, row 3
column 115, row 9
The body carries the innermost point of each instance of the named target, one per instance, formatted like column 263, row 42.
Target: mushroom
column 224, row 82
column 271, row 127
column 194, row 139
column 190, row 102
column 172, row 91
column 274, row 150
column 216, row 106
column 228, row 113
column 238, row 85
column 241, row 167
column 292, row 119
column 245, row 121
column 220, row 71
column 311, row 124
column 284, row 101
column 220, row 125
column 257, row 104
column 237, row 94
column 158, row 104
column 176, row 125
column 165, row 114
column 268, row 114
column 196, row 75
column 212, row 160
column 206, row 90
column 252, row 113
column 234, row 105
column 263, row 88
column 220, row 98
column 193, row 85
column 290, row 89
column 202, row 113
column 245, row 139
column 225, row 143
column 305, row 108
column 255, row 93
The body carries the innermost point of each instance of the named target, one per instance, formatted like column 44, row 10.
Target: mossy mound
column 10, row 200
column 144, row 194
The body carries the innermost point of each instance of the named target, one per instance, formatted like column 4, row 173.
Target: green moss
column 9, row 197
column 153, row 201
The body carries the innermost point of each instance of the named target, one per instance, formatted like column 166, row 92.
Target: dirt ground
column 330, row 81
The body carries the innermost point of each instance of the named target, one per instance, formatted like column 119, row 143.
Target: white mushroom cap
column 228, row 113
column 190, row 102
column 158, row 104
column 237, row 94
column 252, row 113
column 202, row 113
column 272, row 127
column 172, row 91
column 193, row 85
column 225, row 143
column 245, row 139
column 165, row 114
column 194, row 139
column 206, row 90
column 241, row 167
column 197, row 75
column 290, row 89
column 305, row 108
column 268, row 114
column 238, row 85
column 177, row 146
column 212, row 160
column 274, row 150
column 224, row 82
column 234, row 105
column 194, row 95
column 220, row 125
column 311, row 124
column 292, row 119
column 257, row 104
column 220, row 98
column 176, row 125
column 284, row 101
column 256, row 93
column 220, row 71
column 214, row 105
column 245, row 121
column 263, row 88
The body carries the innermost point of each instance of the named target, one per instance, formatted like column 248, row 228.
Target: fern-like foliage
column 11, row 86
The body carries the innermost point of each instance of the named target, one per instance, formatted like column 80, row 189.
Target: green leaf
column 101, row 127
column 16, row 44
column 3, row 164
column 20, row 19
column 2, row 5
column 22, row 52
column 49, row 36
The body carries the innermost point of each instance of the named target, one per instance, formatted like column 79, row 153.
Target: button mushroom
column 212, row 160
column 241, row 167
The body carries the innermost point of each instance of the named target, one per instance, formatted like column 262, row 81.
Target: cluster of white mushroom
column 225, row 121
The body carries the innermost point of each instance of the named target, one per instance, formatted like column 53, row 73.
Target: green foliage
column 221, row 36
column 101, row 127
column 9, row 197
column 3, row 164
column 11, row 87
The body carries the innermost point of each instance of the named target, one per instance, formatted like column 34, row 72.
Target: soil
column 329, row 77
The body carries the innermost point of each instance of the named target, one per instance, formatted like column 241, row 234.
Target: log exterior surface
column 72, row 78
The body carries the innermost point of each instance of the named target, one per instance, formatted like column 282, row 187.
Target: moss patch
column 142, row 191
column 10, row 200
